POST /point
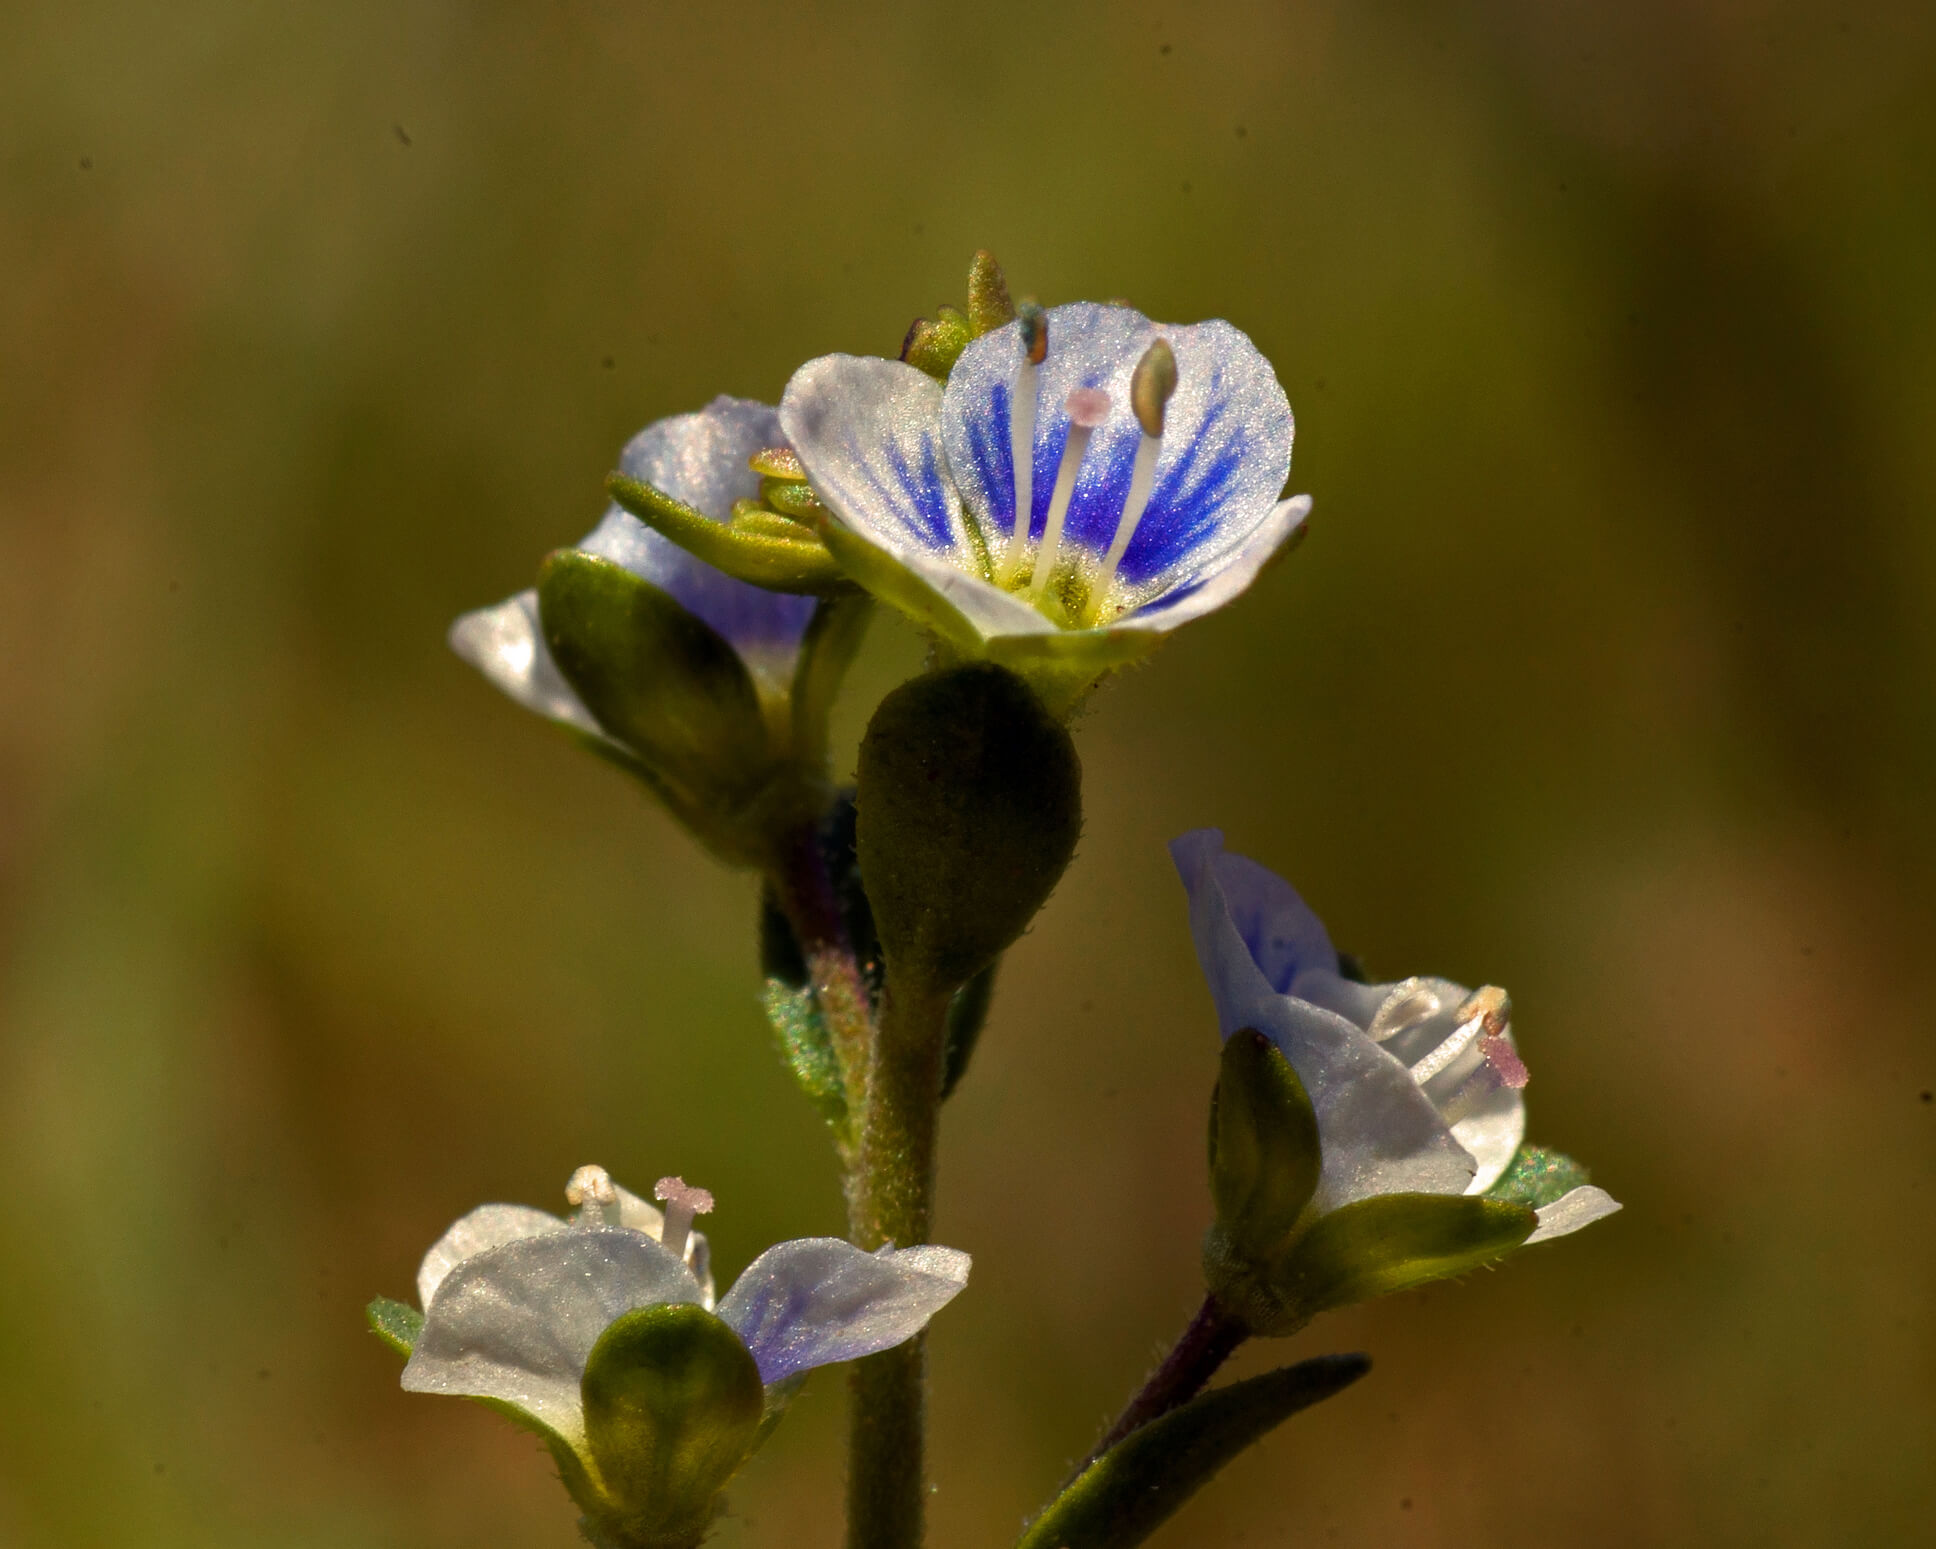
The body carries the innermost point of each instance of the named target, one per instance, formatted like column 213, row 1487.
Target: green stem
column 894, row 1203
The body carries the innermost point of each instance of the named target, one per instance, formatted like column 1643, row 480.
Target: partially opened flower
column 708, row 687
column 1145, row 460
column 600, row 1334
column 1414, row 1089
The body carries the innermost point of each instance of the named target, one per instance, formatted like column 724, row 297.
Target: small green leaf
column 970, row 801
column 1392, row 1242
column 672, row 1405
column 1537, row 1177
column 1136, row 1486
column 1264, row 1152
column 790, row 562
column 807, row 1048
column 397, row 1324
column 660, row 681
column 966, row 1014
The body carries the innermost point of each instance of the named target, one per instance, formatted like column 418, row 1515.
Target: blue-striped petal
column 1225, row 454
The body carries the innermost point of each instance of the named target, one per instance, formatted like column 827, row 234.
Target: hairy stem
column 1210, row 1340
column 886, row 1485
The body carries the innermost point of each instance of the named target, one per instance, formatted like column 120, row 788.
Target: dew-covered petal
column 1573, row 1210
column 1381, row 1133
column 868, row 433
column 702, row 460
column 506, row 644
column 1225, row 453
column 486, row 1227
column 819, row 1299
column 517, row 1322
column 1209, row 587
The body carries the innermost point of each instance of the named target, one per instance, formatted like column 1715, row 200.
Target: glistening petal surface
column 819, row 1299
column 1573, row 1210
column 1225, row 454
column 1381, row 1134
column 506, row 644
column 486, row 1227
column 518, row 1322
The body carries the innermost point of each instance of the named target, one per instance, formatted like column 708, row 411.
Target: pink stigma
column 1088, row 407
column 681, row 1195
column 1505, row 1061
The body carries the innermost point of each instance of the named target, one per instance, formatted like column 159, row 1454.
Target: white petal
column 486, row 1227
column 507, row 646
column 1573, row 1210
column 868, row 432
column 1228, row 576
column 1381, row 1134
column 517, row 1323
column 1492, row 1132
column 819, row 1299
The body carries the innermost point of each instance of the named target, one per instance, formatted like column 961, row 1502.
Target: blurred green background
column 1605, row 675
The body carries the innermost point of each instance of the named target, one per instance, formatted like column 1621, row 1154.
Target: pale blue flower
column 1416, row 1084
column 1149, row 482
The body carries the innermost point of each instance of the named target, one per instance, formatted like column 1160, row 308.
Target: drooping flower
column 601, row 1334
column 705, row 685
column 1415, row 1086
column 1146, row 460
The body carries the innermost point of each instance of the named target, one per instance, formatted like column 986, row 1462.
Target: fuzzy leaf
column 396, row 1323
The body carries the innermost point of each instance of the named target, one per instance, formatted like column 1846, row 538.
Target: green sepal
column 673, row 1403
column 970, row 802
column 989, row 304
column 1393, row 1242
column 397, row 1324
column 779, row 1397
column 967, row 1012
column 1264, row 1150
column 935, row 345
column 797, row 562
column 1136, row 1486
column 806, row 1047
column 1537, row 1177
column 1063, row 665
column 793, row 499
column 661, row 682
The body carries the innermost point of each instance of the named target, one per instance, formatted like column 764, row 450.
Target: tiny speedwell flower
column 577, row 1328
column 1145, row 461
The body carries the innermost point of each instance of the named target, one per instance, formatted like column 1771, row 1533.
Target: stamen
column 1021, row 434
column 1150, row 391
column 1408, row 1005
column 1088, row 407
column 682, row 1202
column 592, row 1191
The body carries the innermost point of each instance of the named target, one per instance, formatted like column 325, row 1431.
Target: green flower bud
column 781, row 559
column 970, row 801
column 989, row 306
column 673, row 1403
column 1264, row 1156
column 934, row 345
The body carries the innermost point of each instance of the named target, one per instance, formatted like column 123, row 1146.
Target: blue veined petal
column 868, row 433
column 819, row 1299
column 1380, row 1132
column 701, row 459
column 1225, row 578
column 1226, row 448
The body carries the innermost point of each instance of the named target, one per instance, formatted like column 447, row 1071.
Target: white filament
column 1088, row 407
column 682, row 1202
column 1021, row 451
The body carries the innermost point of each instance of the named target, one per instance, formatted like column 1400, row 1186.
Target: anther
column 1150, row 390
column 1087, row 407
column 682, row 1202
column 1021, row 433
column 594, row 1194
column 1406, row 1006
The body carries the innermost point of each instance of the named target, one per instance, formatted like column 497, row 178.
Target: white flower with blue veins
column 1146, row 462
column 515, row 1299
column 1416, row 1085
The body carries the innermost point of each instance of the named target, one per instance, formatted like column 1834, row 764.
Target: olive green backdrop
column 1604, row 675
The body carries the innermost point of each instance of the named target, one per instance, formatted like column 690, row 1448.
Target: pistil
column 1087, row 407
column 682, row 1202
column 1021, row 434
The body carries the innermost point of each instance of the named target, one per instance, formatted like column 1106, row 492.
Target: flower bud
column 970, row 801
column 989, row 306
column 935, row 345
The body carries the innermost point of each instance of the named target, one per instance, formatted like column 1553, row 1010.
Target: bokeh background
column 1605, row 675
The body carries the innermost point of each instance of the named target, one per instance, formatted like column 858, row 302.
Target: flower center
column 682, row 1202
column 1077, row 600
